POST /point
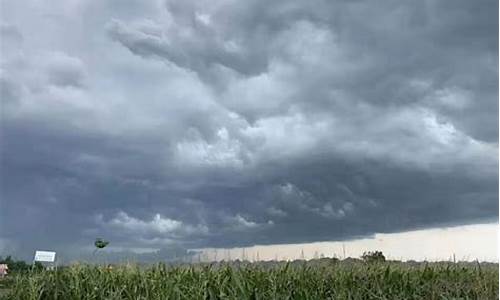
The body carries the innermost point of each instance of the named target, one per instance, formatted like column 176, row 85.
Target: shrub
column 373, row 256
column 19, row 266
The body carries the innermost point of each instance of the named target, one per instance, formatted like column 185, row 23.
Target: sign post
column 45, row 256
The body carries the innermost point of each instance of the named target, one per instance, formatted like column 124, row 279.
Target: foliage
column 301, row 280
column 100, row 243
column 373, row 256
column 16, row 266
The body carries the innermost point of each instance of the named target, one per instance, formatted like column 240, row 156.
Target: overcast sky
column 231, row 123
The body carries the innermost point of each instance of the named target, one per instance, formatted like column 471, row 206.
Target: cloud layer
column 229, row 123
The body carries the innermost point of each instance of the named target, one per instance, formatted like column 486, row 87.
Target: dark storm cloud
column 232, row 122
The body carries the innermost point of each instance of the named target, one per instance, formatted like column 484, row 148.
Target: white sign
column 45, row 256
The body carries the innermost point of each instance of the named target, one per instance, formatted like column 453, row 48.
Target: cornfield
column 300, row 280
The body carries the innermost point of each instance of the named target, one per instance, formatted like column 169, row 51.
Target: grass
column 326, row 279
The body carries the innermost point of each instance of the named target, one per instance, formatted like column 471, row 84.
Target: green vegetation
column 100, row 244
column 19, row 266
column 375, row 256
column 318, row 279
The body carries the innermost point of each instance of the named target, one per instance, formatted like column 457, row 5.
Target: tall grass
column 256, row 281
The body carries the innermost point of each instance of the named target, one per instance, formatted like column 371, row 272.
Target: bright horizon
column 467, row 242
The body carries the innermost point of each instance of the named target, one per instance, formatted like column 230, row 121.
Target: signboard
column 45, row 256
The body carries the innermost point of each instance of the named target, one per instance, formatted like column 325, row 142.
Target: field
column 320, row 279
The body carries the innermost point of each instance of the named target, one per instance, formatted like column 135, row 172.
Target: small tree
column 19, row 266
column 373, row 256
column 100, row 244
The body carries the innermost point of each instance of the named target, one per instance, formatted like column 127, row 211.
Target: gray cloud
column 64, row 70
column 232, row 123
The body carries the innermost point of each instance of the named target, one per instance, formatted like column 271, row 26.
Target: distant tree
column 18, row 266
column 373, row 256
column 334, row 260
column 100, row 244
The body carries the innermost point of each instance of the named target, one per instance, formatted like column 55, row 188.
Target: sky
column 477, row 242
column 223, row 123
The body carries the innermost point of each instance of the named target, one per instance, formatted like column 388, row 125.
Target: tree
column 100, row 244
column 18, row 266
column 373, row 256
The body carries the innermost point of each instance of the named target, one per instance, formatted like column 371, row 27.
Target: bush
column 373, row 256
column 19, row 266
